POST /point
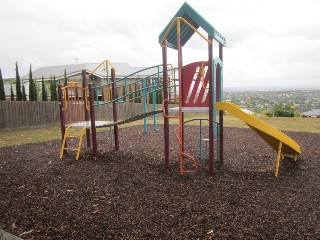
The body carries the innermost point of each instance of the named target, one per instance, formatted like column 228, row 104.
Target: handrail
column 105, row 61
column 202, row 76
column 184, row 20
column 141, row 70
column 164, row 112
column 153, row 84
column 185, row 154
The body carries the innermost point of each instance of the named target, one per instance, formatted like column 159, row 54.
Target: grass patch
column 44, row 133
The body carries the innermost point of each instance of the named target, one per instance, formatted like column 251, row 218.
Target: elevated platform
column 189, row 109
column 87, row 124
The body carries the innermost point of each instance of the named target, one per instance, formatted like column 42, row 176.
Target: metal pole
column 115, row 112
column 144, row 92
column 211, row 110
column 200, row 142
column 165, row 97
column 93, row 122
column 221, row 99
column 154, row 101
column 62, row 119
column 86, row 113
column 181, row 147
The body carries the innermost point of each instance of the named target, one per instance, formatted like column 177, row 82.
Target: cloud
column 268, row 42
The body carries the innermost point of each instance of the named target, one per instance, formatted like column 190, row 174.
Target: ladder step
column 73, row 137
column 72, row 149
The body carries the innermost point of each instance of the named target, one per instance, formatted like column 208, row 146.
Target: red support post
column 115, row 112
column 86, row 113
column 181, row 135
column 211, row 120
column 221, row 112
column 62, row 119
column 181, row 95
column 165, row 96
column 93, row 123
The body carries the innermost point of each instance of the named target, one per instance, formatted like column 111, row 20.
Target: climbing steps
column 71, row 135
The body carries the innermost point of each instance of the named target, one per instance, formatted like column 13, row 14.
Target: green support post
column 154, row 99
column 144, row 92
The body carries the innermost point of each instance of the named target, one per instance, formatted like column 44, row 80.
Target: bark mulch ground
column 129, row 194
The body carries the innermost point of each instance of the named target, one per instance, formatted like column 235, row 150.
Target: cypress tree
column 2, row 93
column 34, row 87
column 117, row 94
column 53, row 89
column 24, row 95
column 159, row 96
column 35, row 90
column 110, row 94
column 150, row 95
column 50, row 87
column 95, row 95
column 11, row 93
column 124, row 93
column 31, row 86
column 139, row 94
column 43, row 91
column 65, row 77
column 130, row 93
column 18, row 84
column 102, row 94
column 135, row 93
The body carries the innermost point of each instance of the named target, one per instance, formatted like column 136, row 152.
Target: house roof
column 196, row 20
column 313, row 112
column 122, row 70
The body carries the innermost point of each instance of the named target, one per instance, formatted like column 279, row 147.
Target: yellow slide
column 279, row 141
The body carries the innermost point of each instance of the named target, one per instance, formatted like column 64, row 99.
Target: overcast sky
column 269, row 42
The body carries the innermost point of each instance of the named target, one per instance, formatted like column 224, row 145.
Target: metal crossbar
column 134, row 118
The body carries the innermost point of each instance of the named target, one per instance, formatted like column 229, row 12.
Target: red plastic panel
column 195, row 85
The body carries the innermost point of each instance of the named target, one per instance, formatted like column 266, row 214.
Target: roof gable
column 196, row 20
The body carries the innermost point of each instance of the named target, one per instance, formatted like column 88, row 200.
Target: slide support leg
column 278, row 159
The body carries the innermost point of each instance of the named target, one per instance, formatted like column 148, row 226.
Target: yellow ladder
column 72, row 136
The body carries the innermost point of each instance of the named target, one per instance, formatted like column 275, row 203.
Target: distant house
column 247, row 111
column 314, row 113
column 74, row 74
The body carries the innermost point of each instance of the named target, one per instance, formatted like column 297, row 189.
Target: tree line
column 34, row 92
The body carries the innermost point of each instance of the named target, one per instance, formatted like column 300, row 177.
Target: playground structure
column 78, row 103
column 200, row 89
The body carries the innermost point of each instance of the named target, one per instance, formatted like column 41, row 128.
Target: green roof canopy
column 196, row 20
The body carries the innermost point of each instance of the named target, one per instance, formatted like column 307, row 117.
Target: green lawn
column 44, row 133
